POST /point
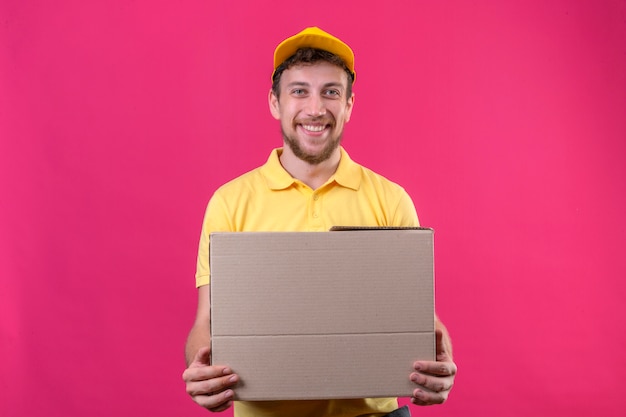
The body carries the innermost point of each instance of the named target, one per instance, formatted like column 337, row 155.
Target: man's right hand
column 208, row 385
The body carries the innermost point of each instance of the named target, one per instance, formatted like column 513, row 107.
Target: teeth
column 312, row 128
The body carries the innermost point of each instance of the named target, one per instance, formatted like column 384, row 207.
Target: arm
column 435, row 378
column 208, row 385
column 200, row 334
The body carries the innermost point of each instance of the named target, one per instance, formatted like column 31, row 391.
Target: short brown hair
column 310, row 56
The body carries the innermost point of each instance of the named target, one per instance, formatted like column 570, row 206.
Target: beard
column 312, row 159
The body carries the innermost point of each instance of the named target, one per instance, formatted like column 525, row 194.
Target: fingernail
column 228, row 394
column 232, row 378
column 417, row 366
column 227, row 371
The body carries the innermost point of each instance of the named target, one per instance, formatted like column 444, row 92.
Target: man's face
column 312, row 109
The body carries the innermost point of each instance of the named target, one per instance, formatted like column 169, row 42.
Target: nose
column 316, row 107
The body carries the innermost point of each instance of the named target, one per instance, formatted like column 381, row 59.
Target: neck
column 313, row 175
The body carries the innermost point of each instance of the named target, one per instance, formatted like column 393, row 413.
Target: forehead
column 314, row 74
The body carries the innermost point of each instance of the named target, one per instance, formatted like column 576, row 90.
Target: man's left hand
column 434, row 379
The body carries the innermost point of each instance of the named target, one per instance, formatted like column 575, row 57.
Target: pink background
column 504, row 120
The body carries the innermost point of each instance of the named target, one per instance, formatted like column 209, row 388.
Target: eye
column 332, row 93
column 298, row 91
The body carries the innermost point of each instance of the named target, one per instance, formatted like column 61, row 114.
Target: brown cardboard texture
column 321, row 315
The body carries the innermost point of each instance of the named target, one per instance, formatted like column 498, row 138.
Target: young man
column 310, row 184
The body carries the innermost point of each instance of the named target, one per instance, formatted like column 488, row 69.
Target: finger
column 204, row 372
column 216, row 402
column 443, row 347
column 222, row 407
column 209, row 379
column 203, row 356
column 433, row 383
column 422, row 397
column 220, row 385
column 446, row 368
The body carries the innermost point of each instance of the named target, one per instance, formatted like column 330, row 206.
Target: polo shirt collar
column 348, row 173
column 277, row 178
column 274, row 173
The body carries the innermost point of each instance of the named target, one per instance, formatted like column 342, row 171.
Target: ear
column 274, row 105
column 349, row 106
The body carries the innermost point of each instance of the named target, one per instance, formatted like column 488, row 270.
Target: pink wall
column 505, row 121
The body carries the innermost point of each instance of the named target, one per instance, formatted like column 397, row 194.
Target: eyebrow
column 305, row 84
column 298, row 84
column 334, row 84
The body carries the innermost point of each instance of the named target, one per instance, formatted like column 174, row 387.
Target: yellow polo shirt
column 269, row 199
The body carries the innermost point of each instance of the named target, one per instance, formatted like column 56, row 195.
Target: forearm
column 200, row 333
column 199, row 336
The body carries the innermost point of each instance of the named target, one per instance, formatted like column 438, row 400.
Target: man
column 310, row 184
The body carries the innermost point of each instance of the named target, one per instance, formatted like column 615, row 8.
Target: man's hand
column 209, row 386
column 434, row 379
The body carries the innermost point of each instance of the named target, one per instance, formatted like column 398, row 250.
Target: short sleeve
column 405, row 214
column 215, row 220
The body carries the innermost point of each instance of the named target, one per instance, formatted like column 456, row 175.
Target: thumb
column 203, row 357
column 443, row 346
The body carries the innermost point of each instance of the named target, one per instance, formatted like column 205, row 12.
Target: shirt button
column 316, row 197
column 315, row 215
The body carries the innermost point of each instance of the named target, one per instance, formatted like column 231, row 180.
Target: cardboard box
column 321, row 315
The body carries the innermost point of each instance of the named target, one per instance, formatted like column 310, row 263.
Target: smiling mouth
column 314, row 128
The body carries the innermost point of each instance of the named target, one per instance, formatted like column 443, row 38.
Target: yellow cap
column 314, row 37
